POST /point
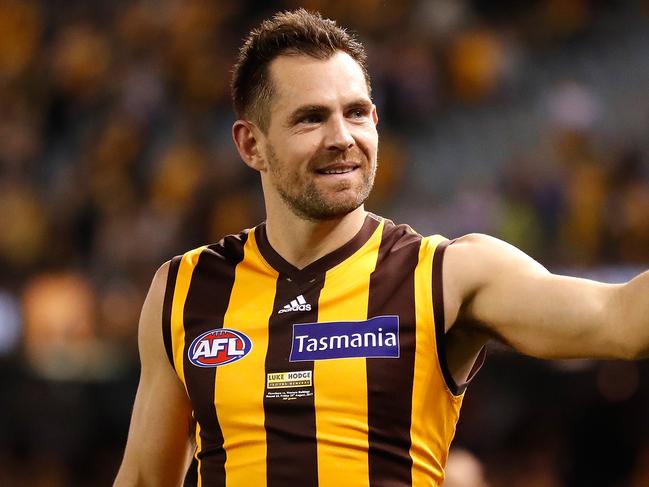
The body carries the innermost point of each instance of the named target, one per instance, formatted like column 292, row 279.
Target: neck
column 301, row 242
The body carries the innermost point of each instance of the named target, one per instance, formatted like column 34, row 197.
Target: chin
column 315, row 204
column 339, row 209
column 325, row 211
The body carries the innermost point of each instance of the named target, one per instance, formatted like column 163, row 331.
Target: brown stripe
column 290, row 424
column 174, row 264
column 390, row 381
column 207, row 302
column 440, row 321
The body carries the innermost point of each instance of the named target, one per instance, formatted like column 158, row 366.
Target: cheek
column 368, row 140
column 297, row 151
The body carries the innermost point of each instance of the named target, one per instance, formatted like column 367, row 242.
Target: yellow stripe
column 239, row 388
column 185, row 270
column 198, row 449
column 341, row 385
column 430, row 433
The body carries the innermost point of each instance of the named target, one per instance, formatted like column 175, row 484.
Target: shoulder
column 397, row 235
column 230, row 247
column 150, row 326
column 478, row 242
column 475, row 261
column 477, row 252
column 158, row 284
column 470, row 252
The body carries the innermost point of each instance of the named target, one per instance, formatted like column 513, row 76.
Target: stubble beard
column 308, row 202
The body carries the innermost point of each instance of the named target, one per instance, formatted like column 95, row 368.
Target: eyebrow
column 300, row 112
column 304, row 110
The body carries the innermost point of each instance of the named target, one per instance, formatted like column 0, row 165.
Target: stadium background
column 525, row 120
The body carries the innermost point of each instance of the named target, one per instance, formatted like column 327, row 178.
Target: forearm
column 631, row 315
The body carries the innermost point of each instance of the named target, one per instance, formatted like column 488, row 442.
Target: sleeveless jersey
column 332, row 375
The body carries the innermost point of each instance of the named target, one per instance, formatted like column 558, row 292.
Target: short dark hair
column 286, row 33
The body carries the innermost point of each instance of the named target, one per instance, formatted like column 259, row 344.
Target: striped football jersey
column 331, row 375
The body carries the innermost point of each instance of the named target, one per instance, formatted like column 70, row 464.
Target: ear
column 247, row 137
column 375, row 115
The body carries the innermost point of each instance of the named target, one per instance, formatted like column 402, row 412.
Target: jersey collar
column 324, row 263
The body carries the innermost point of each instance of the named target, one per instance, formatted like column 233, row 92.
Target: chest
column 286, row 345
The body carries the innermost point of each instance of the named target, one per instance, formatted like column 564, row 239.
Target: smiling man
column 328, row 346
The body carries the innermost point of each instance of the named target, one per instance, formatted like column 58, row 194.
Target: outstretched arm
column 496, row 288
column 158, row 446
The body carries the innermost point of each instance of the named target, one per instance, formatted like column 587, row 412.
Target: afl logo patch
column 218, row 347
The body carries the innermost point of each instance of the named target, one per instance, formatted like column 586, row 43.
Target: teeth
column 337, row 171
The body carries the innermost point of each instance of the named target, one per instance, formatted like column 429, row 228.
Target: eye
column 311, row 118
column 358, row 112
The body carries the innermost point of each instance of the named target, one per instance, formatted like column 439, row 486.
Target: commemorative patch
column 282, row 380
column 218, row 347
column 377, row 337
column 289, row 386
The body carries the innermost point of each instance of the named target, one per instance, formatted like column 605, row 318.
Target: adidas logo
column 298, row 304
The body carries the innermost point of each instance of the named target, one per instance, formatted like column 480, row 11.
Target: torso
column 297, row 377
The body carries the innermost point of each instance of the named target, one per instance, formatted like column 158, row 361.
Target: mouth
column 338, row 168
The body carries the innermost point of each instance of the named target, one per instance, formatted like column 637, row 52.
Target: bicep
column 158, row 446
column 511, row 296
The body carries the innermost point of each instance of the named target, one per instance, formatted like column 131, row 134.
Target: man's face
column 321, row 144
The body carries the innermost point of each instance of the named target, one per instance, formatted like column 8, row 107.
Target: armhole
column 477, row 365
column 440, row 322
column 174, row 264
column 440, row 325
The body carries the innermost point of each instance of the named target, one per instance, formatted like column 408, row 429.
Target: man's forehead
column 300, row 79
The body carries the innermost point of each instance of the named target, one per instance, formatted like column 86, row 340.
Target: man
column 328, row 346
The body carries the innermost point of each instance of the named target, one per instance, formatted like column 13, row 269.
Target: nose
column 338, row 136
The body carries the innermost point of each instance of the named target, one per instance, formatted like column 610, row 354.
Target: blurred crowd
column 115, row 155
